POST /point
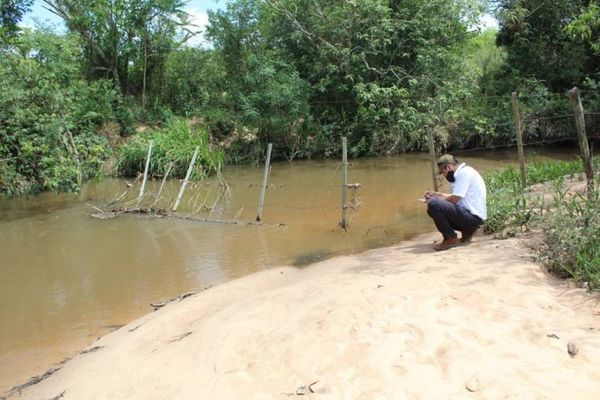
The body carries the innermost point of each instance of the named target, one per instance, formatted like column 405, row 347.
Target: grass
column 175, row 143
column 508, row 205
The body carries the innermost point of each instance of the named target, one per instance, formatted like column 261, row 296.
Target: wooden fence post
column 583, row 143
column 263, row 187
column 187, row 178
column 162, row 184
column 434, row 169
column 519, row 132
column 141, row 194
column 343, row 222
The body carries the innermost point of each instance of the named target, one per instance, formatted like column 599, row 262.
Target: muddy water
column 67, row 278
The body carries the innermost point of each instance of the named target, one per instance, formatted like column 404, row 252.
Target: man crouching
column 464, row 210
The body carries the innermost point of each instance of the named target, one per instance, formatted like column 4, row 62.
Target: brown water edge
column 68, row 278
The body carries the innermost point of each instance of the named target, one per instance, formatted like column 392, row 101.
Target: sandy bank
column 478, row 321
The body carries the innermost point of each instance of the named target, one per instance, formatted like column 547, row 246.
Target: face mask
column 450, row 176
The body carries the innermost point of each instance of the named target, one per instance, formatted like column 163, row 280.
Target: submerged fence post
column 263, row 188
column 584, row 148
column 343, row 222
column 187, row 177
column 434, row 169
column 519, row 132
column 141, row 194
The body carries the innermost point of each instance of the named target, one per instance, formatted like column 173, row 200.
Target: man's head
column 446, row 164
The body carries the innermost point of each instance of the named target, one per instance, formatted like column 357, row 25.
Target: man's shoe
column 467, row 235
column 446, row 244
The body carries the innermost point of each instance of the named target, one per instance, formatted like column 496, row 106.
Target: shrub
column 572, row 239
column 175, row 144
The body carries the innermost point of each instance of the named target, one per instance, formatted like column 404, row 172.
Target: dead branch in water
column 125, row 193
column 111, row 210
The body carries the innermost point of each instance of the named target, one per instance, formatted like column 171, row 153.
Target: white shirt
column 470, row 187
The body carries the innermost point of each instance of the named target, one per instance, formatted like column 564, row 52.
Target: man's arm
column 444, row 196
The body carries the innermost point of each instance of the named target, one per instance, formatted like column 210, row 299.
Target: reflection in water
column 66, row 277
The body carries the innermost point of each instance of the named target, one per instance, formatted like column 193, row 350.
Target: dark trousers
column 449, row 217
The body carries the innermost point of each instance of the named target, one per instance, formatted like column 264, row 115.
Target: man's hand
column 430, row 195
column 444, row 196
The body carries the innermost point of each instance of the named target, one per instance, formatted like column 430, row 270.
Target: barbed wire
column 299, row 207
column 492, row 96
column 554, row 116
column 512, row 145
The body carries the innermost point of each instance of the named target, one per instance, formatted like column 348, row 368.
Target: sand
column 481, row 321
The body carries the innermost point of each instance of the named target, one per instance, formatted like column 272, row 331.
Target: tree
column 11, row 13
column 49, row 116
column 374, row 66
column 261, row 89
column 118, row 32
column 535, row 34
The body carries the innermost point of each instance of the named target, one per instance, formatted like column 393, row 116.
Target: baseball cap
column 444, row 160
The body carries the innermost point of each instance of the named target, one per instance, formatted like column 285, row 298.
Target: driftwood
column 160, row 212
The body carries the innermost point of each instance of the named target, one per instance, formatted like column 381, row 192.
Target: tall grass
column 507, row 203
column 175, row 143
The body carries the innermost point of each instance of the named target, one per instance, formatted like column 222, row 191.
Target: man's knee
column 434, row 205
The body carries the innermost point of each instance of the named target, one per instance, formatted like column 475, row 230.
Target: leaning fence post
column 434, row 169
column 141, row 194
column 519, row 132
column 263, row 188
column 343, row 222
column 187, row 177
column 583, row 143
column 162, row 184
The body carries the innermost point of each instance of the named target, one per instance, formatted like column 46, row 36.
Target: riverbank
column 477, row 321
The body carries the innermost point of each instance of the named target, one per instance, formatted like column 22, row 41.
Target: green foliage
column 528, row 29
column 191, row 78
column 364, row 70
column 48, row 116
column 297, row 73
column 586, row 27
column 508, row 205
column 175, row 143
column 11, row 13
column 572, row 239
column 124, row 39
column 505, row 196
